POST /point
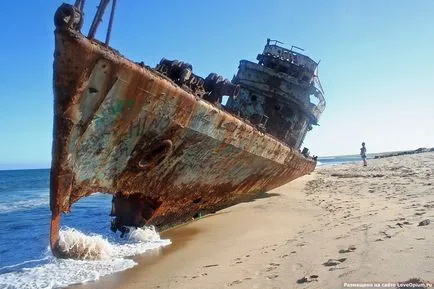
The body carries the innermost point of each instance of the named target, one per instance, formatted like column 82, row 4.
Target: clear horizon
column 11, row 167
column 375, row 65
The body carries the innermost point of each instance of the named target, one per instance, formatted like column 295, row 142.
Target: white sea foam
column 61, row 273
column 10, row 267
column 101, row 258
column 77, row 245
column 23, row 205
column 139, row 241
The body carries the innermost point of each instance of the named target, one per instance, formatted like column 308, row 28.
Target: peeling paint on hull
column 123, row 129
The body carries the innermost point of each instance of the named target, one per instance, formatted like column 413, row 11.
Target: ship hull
column 167, row 155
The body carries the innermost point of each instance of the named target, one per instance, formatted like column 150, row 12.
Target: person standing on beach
column 363, row 154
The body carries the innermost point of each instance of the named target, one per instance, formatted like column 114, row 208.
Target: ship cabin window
column 295, row 71
column 283, row 69
column 314, row 99
column 290, row 114
column 277, row 107
column 271, row 65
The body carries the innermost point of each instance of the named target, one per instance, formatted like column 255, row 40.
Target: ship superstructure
column 281, row 93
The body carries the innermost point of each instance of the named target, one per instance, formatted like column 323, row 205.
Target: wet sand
column 341, row 224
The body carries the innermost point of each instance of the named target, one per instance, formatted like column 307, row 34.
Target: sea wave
column 23, row 205
column 102, row 257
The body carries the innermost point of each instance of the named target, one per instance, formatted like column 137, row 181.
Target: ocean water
column 337, row 160
column 25, row 258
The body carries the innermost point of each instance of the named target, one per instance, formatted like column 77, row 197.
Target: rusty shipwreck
column 160, row 140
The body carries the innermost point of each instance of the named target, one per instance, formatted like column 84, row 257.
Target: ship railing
column 290, row 56
column 317, row 109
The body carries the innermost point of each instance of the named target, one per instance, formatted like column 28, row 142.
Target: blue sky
column 376, row 63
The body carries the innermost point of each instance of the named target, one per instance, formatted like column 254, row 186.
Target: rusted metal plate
column 123, row 129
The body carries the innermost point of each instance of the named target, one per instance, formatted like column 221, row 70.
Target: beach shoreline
column 344, row 224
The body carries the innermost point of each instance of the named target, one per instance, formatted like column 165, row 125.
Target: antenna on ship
column 274, row 40
column 299, row 48
column 98, row 19
column 316, row 77
column 109, row 29
column 316, row 72
column 79, row 4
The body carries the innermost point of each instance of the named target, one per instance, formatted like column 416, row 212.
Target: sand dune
column 338, row 227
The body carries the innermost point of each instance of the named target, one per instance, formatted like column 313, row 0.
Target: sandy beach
column 342, row 226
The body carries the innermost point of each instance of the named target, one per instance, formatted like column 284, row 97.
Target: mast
column 109, row 29
column 98, row 18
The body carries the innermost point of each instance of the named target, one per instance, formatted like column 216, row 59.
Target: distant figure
column 363, row 154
